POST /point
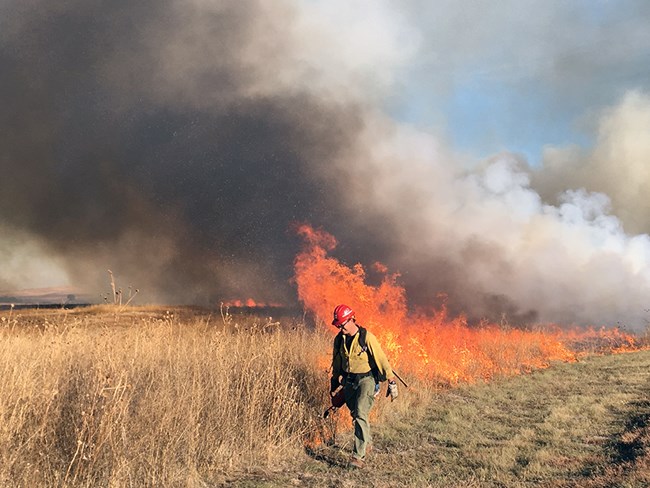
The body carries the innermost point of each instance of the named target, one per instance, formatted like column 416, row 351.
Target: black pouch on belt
column 353, row 378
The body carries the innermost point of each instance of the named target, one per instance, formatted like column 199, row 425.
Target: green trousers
column 359, row 397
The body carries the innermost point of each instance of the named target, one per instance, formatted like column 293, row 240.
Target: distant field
column 45, row 297
column 182, row 397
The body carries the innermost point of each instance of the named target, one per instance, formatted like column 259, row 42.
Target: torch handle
column 400, row 378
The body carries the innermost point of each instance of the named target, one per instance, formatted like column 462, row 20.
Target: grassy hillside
column 150, row 397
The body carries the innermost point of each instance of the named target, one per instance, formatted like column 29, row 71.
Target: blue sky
column 520, row 75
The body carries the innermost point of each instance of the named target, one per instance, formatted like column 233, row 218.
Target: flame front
column 250, row 303
column 434, row 346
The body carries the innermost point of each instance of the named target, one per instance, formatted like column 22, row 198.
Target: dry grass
column 149, row 397
column 146, row 399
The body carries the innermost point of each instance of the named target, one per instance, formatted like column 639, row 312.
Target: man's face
column 348, row 327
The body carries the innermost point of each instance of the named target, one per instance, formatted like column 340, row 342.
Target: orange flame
column 435, row 347
column 250, row 303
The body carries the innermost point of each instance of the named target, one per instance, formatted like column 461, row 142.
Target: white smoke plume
column 487, row 238
column 617, row 165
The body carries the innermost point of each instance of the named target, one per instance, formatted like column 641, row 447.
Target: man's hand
column 392, row 390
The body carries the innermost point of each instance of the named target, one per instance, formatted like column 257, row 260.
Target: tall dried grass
column 152, row 400
column 144, row 397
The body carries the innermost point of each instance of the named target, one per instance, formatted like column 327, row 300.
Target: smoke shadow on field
column 630, row 445
column 627, row 449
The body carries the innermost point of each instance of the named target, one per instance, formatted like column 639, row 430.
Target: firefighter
column 358, row 365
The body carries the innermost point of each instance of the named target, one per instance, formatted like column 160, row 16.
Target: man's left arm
column 381, row 360
column 385, row 370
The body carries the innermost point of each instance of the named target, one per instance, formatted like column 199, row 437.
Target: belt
column 358, row 375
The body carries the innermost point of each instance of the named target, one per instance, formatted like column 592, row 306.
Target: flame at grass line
column 250, row 303
column 433, row 347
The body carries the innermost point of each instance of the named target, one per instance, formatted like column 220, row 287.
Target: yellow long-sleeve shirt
column 356, row 360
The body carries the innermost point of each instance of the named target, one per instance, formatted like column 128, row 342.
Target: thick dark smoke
column 146, row 137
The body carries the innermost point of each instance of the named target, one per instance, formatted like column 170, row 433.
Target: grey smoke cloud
column 23, row 261
column 488, row 239
column 157, row 139
column 175, row 143
column 617, row 165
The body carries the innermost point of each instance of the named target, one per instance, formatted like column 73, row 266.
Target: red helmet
column 341, row 314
